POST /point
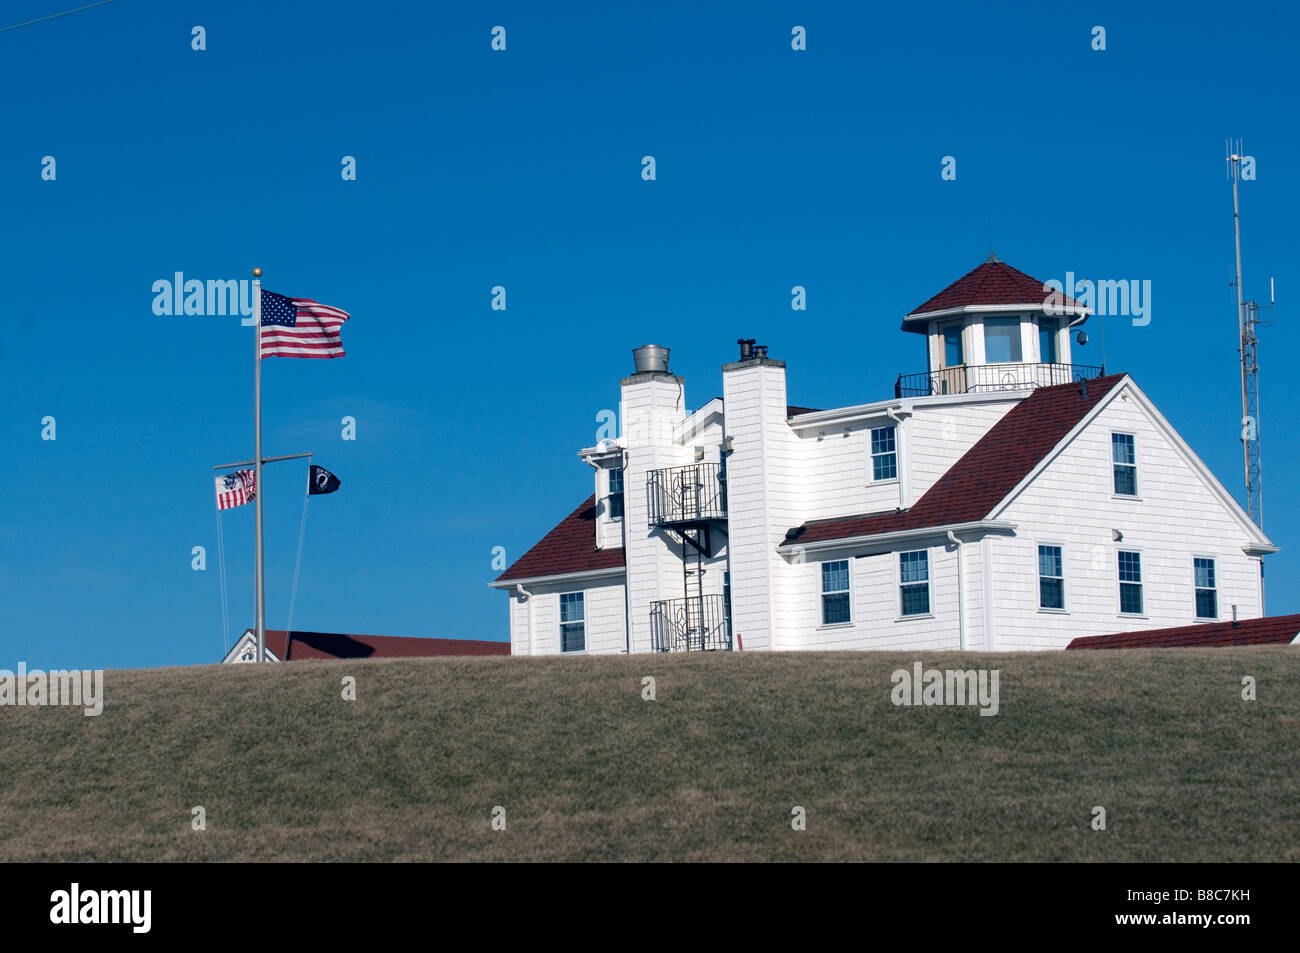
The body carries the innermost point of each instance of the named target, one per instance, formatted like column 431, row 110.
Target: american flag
column 300, row 327
column 235, row 489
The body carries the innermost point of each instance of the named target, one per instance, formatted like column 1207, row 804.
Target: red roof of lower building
column 295, row 646
column 1270, row 630
column 569, row 548
column 987, row 472
column 992, row 283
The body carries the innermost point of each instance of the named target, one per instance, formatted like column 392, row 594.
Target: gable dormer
column 606, row 460
column 995, row 328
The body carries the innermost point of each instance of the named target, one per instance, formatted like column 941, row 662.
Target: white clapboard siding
column 603, row 608
column 652, row 407
column 876, row 623
column 940, row 433
column 837, row 473
column 765, row 489
column 1072, row 504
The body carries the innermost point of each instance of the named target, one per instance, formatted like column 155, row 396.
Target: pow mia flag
column 320, row 480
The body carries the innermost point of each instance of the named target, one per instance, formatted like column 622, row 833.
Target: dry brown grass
column 587, row 770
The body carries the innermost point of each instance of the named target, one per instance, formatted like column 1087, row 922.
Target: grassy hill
column 586, row 769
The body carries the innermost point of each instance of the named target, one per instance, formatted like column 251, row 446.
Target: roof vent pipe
column 650, row 359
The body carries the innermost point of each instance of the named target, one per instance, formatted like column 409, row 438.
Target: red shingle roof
column 304, row 645
column 993, row 282
column 987, row 472
column 570, row 547
column 1270, row 630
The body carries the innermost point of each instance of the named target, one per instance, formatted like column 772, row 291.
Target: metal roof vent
column 650, row 359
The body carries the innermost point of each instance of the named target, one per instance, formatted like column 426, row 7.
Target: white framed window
column 573, row 622
column 1123, row 456
column 1205, row 582
column 1130, row 582
column 954, row 354
column 1002, row 341
column 1048, row 329
column 1051, row 577
column 884, row 453
column 837, row 593
column 914, row 583
column 615, row 496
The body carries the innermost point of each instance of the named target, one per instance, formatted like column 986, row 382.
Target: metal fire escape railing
column 684, row 495
column 692, row 624
column 688, row 503
column 978, row 378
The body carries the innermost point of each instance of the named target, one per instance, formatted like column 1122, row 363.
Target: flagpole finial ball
column 257, row 272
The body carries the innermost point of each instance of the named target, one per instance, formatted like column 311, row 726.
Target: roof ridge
column 993, row 282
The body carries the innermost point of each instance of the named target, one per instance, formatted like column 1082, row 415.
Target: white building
column 1004, row 499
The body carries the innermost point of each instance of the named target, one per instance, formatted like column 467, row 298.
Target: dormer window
column 1002, row 340
column 615, row 498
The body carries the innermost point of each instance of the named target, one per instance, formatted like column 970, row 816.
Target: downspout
column 627, row 588
column 961, row 588
column 892, row 414
column 529, row 596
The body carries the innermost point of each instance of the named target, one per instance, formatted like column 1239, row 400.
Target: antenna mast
column 1247, row 320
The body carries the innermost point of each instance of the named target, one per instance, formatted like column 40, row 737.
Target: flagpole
column 260, row 584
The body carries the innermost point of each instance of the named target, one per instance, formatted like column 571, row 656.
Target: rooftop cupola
column 995, row 328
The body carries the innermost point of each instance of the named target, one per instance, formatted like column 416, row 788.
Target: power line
column 54, row 16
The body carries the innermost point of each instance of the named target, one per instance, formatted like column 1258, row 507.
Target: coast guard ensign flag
column 300, row 327
column 236, row 489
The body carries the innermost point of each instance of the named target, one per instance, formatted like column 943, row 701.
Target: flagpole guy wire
column 55, row 16
column 225, row 599
column 297, row 563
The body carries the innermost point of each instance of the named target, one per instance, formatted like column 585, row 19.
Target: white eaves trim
column 609, row 573
column 1062, row 309
column 844, row 415
column 906, row 406
column 594, row 456
column 979, row 527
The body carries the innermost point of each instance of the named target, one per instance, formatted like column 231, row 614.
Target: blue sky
column 522, row 169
